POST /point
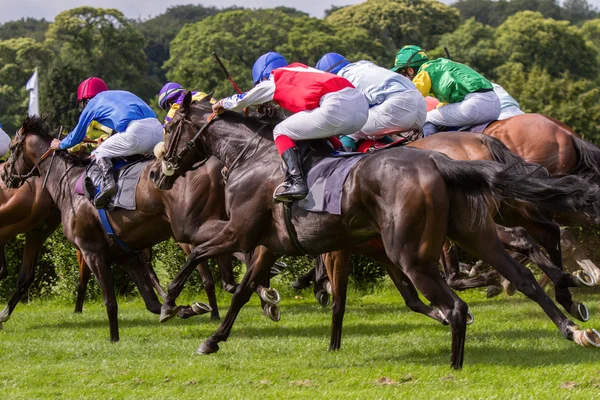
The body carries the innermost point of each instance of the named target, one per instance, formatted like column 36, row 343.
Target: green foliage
column 495, row 12
column 530, row 39
column 473, row 44
column 18, row 60
column 24, row 28
column 400, row 22
column 241, row 36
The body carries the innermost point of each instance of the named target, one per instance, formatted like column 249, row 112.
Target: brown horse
column 159, row 215
column 412, row 198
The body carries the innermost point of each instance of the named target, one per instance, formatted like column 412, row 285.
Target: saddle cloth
column 326, row 171
column 128, row 174
column 474, row 128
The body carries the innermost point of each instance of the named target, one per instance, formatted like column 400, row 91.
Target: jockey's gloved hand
column 218, row 107
column 348, row 142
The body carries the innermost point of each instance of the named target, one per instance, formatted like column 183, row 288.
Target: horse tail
column 588, row 160
column 567, row 194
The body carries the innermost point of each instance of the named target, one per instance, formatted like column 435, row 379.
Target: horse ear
column 187, row 101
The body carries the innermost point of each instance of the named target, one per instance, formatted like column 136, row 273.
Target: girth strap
column 291, row 230
column 111, row 232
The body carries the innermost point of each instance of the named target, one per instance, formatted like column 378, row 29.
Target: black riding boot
column 109, row 186
column 294, row 187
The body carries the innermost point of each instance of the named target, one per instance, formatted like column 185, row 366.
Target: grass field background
column 513, row 351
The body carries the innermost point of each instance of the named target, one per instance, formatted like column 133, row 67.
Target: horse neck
column 227, row 141
column 62, row 176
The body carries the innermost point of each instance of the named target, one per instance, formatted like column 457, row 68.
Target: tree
column 400, row 22
column 92, row 42
column 473, row 44
column 579, row 10
column 24, row 28
column 591, row 33
column 241, row 36
column 162, row 29
column 18, row 59
column 555, row 46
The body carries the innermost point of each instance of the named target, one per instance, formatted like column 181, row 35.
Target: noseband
column 18, row 149
column 172, row 160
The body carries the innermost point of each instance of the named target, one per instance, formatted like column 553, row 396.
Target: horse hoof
column 166, row 313
column 229, row 288
column 509, row 288
column 201, row 308
column 328, row 287
column 580, row 311
column 269, row 295
column 493, row 291
column 322, row 298
column 207, row 348
column 592, row 337
column 470, row 318
column 584, row 279
column 272, row 311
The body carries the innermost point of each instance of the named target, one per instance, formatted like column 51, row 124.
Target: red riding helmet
column 90, row 88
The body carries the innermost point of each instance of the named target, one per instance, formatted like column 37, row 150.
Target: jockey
column 171, row 96
column 4, row 142
column 471, row 98
column 509, row 107
column 395, row 104
column 325, row 105
column 130, row 122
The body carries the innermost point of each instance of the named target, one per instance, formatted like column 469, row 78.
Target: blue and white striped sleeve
column 261, row 93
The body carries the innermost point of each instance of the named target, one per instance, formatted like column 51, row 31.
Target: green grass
column 512, row 351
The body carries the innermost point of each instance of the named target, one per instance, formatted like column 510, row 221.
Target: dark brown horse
column 198, row 200
column 412, row 198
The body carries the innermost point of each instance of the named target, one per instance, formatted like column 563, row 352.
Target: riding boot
column 294, row 187
column 109, row 186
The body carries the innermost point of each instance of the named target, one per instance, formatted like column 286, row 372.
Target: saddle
column 127, row 175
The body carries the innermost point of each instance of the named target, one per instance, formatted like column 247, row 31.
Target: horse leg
column 257, row 271
column 84, row 278
column 484, row 243
column 225, row 263
column 517, row 239
column 100, row 267
column 451, row 265
column 321, row 284
column 337, row 264
column 33, row 245
column 304, row 281
column 209, row 287
column 3, row 269
column 138, row 271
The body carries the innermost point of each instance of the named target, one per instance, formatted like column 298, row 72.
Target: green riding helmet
column 410, row 56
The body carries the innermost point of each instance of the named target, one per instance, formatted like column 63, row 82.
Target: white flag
column 32, row 86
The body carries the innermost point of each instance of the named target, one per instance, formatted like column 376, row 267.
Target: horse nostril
column 152, row 175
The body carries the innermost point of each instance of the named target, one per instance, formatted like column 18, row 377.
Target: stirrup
column 275, row 194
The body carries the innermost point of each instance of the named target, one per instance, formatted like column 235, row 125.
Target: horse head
column 27, row 151
column 182, row 148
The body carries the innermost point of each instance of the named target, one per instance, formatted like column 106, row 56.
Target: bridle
column 171, row 160
column 17, row 152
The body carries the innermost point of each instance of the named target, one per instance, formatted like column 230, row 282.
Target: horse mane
column 39, row 125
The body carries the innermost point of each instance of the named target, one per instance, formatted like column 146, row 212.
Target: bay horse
column 159, row 215
column 403, row 195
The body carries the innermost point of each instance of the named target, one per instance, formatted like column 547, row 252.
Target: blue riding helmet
column 266, row 64
column 332, row 62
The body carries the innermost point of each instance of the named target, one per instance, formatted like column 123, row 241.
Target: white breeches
column 400, row 112
column 140, row 137
column 509, row 111
column 4, row 143
column 339, row 113
column 475, row 109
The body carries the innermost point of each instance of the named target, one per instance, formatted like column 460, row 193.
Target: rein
column 171, row 161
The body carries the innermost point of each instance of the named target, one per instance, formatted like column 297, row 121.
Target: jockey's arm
column 423, row 83
column 261, row 93
column 77, row 135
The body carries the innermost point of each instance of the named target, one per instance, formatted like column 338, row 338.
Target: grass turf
column 513, row 351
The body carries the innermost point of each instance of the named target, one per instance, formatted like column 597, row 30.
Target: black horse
column 412, row 198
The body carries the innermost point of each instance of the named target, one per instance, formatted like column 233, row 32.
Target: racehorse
column 403, row 195
column 159, row 215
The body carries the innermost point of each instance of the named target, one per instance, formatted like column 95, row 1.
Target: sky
column 12, row 10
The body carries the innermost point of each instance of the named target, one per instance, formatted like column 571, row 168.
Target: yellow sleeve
column 423, row 83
